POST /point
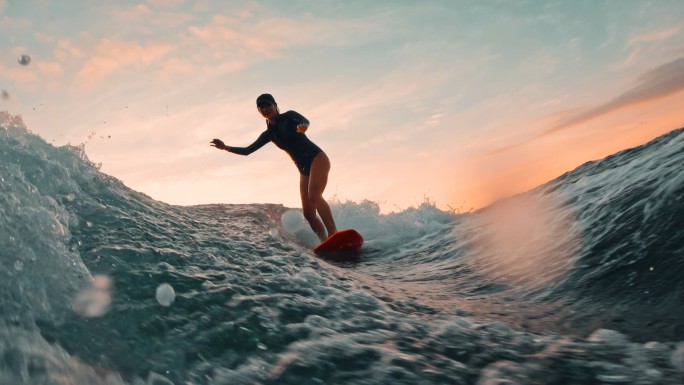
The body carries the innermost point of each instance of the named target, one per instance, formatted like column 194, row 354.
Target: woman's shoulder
column 294, row 115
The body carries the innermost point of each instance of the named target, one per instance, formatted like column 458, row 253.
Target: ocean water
column 578, row 281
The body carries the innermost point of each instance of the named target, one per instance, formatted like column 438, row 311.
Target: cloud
column 142, row 19
column 258, row 32
column 224, row 43
column 18, row 74
column 646, row 44
column 112, row 55
column 65, row 50
column 658, row 83
column 167, row 3
column 234, row 41
column 653, row 85
column 662, row 34
column 175, row 66
column 48, row 68
column 132, row 13
column 265, row 39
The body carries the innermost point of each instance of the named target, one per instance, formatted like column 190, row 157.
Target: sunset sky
column 458, row 101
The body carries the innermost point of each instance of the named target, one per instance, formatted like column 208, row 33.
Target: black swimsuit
column 283, row 133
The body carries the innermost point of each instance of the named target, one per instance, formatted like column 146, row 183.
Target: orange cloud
column 166, row 3
column 655, row 36
column 658, row 83
column 218, row 34
column 132, row 13
column 111, row 55
column 214, row 33
column 19, row 75
column 65, row 50
column 176, row 65
column 263, row 36
column 49, row 68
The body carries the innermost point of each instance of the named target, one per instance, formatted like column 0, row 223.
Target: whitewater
column 578, row 281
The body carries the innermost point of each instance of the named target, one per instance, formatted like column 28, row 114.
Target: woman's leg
column 309, row 208
column 318, row 179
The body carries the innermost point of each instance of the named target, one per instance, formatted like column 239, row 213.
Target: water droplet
column 19, row 265
column 677, row 358
column 24, row 59
column 165, row 294
column 94, row 300
column 74, row 244
column 101, row 282
column 273, row 232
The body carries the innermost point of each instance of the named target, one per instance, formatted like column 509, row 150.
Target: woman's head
column 267, row 106
column 265, row 98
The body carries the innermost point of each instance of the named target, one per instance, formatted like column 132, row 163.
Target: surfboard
column 343, row 240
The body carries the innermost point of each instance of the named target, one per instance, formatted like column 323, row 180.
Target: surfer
column 286, row 131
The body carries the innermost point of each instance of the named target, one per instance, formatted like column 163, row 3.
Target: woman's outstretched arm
column 260, row 142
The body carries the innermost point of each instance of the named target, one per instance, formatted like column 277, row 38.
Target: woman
column 287, row 132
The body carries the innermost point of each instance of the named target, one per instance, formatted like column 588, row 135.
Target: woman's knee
column 309, row 213
column 315, row 197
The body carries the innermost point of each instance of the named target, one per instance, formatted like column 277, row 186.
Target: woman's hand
column 218, row 144
column 302, row 127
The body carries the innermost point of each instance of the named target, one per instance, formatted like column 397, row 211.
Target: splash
column 528, row 240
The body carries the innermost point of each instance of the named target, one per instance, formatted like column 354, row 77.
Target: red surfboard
column 343, row 240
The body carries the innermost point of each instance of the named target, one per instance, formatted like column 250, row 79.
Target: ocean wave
column 524, row 290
